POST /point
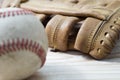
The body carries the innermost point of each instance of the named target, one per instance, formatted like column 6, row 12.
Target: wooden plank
column 74, row 65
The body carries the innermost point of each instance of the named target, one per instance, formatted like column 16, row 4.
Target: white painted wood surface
column 74, row 65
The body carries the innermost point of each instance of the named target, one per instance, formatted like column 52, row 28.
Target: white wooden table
column 74, row 65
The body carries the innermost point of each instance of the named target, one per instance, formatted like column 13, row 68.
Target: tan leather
column 58, row 29
column 91, row 36
column 11, row 3
column 41, row 17
column 54, row 7
column 99, row 41
column 86, row 34
column 73, row 33
column 63, row 0
column 67, row 1
column 106, row 37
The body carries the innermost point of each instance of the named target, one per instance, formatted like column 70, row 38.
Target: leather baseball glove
column 11, row 3
column 89, row 26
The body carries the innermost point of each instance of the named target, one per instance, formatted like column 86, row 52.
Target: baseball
column 23, row 44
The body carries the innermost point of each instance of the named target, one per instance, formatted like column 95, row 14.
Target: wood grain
column 73, row 65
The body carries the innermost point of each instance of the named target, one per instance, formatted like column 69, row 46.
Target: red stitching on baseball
column 22, row 44
column 15, row 13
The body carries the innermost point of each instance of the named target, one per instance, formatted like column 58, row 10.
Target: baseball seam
column 9, row 13
column 22, row 44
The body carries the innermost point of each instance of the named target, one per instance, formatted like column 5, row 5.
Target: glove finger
column 60, row 8
column 58, row 29
column 41, row 17
column 86, row 34
column 108, row 31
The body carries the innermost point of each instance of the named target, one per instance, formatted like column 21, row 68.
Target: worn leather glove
column 92, row 8
column 11, row 3
column 98, row 23
column 95, row 36
column 58, row 30
column 98, row 37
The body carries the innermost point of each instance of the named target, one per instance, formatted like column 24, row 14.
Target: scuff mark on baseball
column 23, row 44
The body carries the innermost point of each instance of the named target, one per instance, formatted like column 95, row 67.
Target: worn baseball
column 23, row 44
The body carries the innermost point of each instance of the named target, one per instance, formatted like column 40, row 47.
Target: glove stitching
column 101, row 24
column 106, row 49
